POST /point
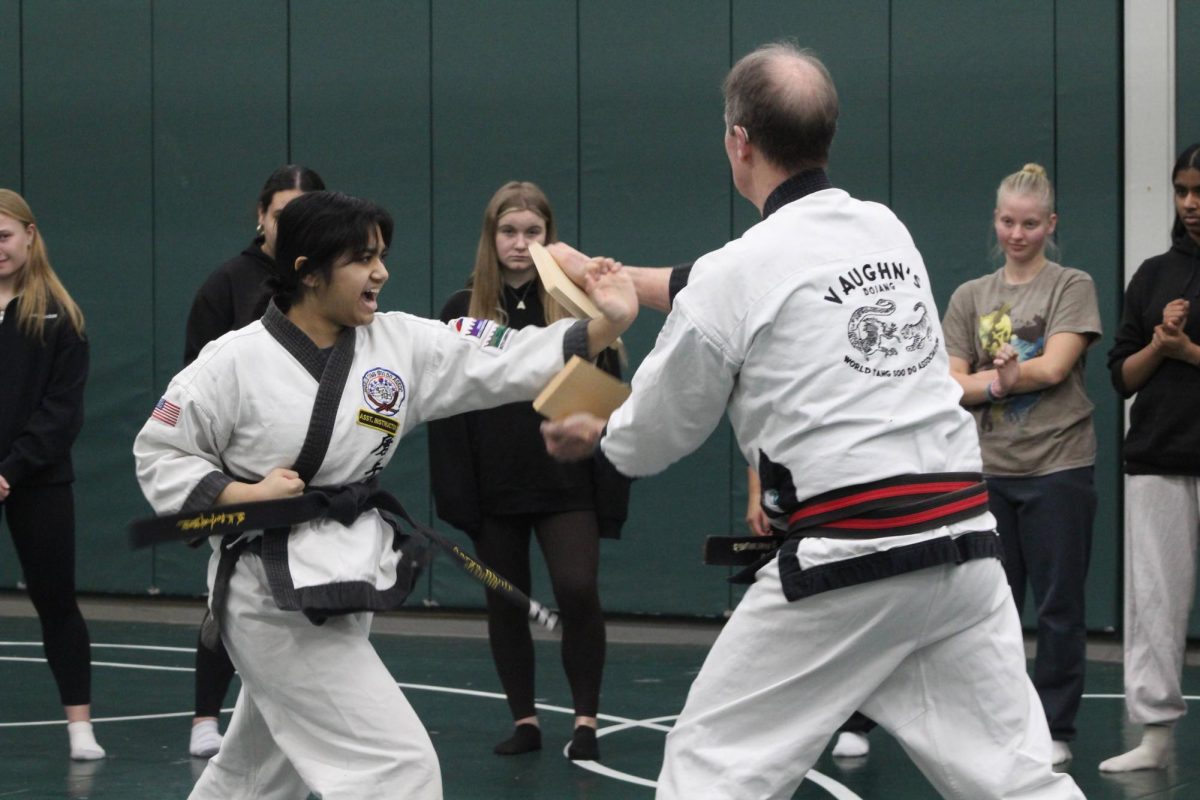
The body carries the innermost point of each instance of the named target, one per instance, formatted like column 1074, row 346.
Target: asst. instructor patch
column 369, row 419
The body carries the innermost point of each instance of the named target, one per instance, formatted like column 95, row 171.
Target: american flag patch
column 165, row 412
column 490, row 334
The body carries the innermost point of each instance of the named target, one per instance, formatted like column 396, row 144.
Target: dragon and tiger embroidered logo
column 897, row 345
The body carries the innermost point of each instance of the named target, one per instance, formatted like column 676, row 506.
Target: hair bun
column 1034, row 169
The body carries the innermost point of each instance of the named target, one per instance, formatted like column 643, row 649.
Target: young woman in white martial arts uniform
column 318, row 710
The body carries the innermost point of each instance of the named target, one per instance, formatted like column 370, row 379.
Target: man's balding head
column 785, row 99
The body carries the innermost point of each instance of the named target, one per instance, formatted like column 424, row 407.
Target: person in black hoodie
column 233, row 296
column 1157, row 357
column 493, row 480
column 45, row 358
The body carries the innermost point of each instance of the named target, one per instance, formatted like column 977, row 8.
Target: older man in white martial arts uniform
column 817, row 333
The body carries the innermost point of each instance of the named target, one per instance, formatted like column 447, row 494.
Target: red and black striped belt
column 892, row 506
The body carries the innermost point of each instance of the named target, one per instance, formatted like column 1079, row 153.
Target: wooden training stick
column 560, row 287
column 580, row 386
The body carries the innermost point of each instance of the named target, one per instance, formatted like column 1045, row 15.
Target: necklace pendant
column 521, row 305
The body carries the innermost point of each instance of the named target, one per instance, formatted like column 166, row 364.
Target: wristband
column 991, row 394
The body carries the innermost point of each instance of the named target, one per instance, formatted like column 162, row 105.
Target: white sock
column 83, row 742
column 1150, row 754
column 1060, row 752
column 206, row 739
column 851, row 745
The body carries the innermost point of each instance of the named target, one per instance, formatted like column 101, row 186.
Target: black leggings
column 42, row 522
column 570, row 543
column 214, row 673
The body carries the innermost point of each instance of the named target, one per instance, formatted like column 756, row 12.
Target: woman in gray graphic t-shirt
column 1016, row 340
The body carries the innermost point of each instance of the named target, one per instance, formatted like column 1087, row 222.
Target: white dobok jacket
column 817, row 333
column 244, row 406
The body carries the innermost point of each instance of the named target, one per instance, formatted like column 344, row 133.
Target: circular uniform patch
column 383, row 391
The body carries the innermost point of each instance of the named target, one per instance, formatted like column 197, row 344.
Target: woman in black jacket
column 1157, row 357
column 493, row 479
column 233, row 296
column 45, row 358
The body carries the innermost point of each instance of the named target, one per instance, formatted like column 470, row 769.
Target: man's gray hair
column 785, row 99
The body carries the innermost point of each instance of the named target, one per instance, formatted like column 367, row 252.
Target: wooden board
column 560, row 287
column 580, row 386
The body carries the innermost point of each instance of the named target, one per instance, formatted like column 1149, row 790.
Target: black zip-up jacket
column 234, row 295
column 41, row 399
column 494, row 462
column 1164, row 425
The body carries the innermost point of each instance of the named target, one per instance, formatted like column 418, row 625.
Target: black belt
column 232, row 547
column 342, row 504
column 890, row 507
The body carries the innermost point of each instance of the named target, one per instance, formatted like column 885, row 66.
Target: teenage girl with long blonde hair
column 45, row 358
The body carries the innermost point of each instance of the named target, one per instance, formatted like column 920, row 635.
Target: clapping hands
column 1169, row 337
column 1008, row 370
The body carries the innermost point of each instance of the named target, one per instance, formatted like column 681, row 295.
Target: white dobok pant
column 318, row 709
column 934, row 656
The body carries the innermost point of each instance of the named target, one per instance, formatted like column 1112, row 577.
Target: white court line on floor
column 835, row 789
column 113, row 664
column 150, row 647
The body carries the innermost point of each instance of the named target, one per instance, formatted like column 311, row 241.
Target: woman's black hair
column 1188, row 159
column 323, row 227
column 292, row 176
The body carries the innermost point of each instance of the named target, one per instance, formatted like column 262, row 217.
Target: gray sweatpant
column 1160, row 581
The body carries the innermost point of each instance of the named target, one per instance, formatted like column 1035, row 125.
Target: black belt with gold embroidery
column 342, row 504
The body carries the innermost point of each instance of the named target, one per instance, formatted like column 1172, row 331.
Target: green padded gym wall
column 10, row 99
column 142, row 131
column 503, row 91
column 87, row 171
column 220, row 127
column 371, row 138
column 1187, row 121
column 971, row 103
column 1187, row 67
column 655, row 190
